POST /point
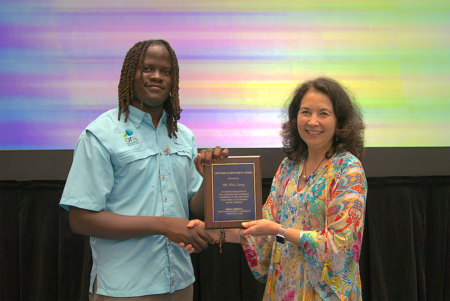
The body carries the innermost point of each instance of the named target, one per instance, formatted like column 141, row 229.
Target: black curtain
column 405, row 253
column 406, row 244
column 41, row 259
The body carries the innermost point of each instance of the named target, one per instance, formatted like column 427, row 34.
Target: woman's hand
column 260, row 227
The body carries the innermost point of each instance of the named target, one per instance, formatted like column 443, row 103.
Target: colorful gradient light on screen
column 239, row 63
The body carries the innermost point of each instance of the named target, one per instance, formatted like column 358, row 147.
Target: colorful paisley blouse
column 338, row 191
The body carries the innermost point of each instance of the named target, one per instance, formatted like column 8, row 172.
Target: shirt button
column 173, row 281
column 168, row 243
column 160, row 153
column 145, row 116
column 165, row 200
column 163, row 177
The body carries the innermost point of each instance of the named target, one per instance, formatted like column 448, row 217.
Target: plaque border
column 208, row 178
column 254, row 186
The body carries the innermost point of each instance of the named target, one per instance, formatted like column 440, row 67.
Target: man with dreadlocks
column 135, row 177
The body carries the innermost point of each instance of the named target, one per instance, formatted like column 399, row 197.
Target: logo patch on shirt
column 129, row 138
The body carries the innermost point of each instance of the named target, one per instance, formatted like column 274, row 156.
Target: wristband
column 280, row 236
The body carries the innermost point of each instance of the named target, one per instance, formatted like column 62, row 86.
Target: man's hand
column 207, row 156
column 179, row 232
column 201, row 225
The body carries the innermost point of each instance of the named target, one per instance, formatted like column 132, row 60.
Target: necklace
column 305, row 178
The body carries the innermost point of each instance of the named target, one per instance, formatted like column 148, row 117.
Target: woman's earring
column 336, row 138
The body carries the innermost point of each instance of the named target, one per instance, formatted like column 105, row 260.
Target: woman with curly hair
column 308, row 243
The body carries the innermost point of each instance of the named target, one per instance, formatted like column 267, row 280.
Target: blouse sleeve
column 337, row 247
column 258, row 249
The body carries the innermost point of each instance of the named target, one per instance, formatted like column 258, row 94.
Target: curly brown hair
column 126, row 94
column 349, row 127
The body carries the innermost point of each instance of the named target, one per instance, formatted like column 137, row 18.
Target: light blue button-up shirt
column 132, row 169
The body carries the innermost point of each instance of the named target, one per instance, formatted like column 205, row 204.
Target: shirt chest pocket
column 180, row 158
column 126, row 158
column 182, row 166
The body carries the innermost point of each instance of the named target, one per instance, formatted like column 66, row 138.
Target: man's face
column 156, row 77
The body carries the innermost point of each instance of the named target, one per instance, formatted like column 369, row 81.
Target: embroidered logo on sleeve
column 129, row 138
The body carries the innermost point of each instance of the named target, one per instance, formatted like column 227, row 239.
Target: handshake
column 195, row 238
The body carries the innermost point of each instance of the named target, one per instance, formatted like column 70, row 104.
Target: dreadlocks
column 126, row 93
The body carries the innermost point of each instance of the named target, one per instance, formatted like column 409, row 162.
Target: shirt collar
column 137, row 116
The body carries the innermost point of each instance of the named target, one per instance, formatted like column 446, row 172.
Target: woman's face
column 316, row 121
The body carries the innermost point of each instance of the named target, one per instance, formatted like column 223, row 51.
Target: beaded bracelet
column 221, row 238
